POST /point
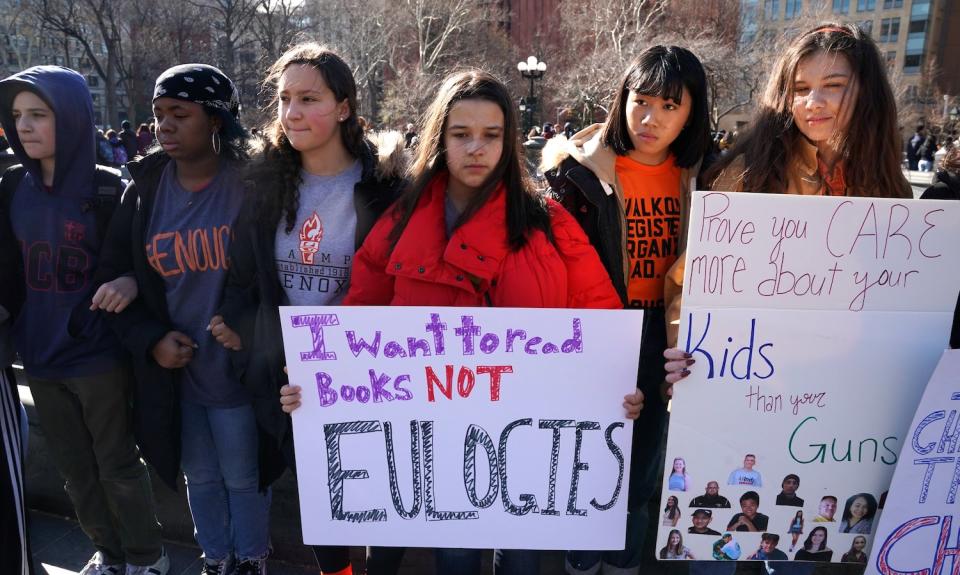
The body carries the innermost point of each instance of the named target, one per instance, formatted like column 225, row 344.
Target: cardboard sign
column 811, row 321
column 462, row 427
column 918, row 532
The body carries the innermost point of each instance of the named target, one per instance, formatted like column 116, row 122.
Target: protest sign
column 811, row 320
column 917, row 533
column 462, row 427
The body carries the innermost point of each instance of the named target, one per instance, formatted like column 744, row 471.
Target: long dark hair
column 664, row 71
column 870, row 147
column 808, row 543
column 526, row 210
column 672, row 510
column 277, row 172
column 871, row 506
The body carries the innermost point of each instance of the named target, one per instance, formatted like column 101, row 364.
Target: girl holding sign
column 628, row 182
column 317, row 186
column 826, row 125
column 471, row 231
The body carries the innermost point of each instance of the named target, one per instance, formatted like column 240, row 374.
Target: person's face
column 824, row 92
column 678, row 465
column 790, row 485
column 748, row 462
column 827, row 508
column 36, row 125
column 859, row 508
column 701, row 520
column 473, row 139
column 309, row 112
column 749, row 507
column 859, row 543
column 817, row 537
column 674, row 539
column 654, row 123
column 713, row 488
column 672, row 501
column 184, row 129
column 767, row 545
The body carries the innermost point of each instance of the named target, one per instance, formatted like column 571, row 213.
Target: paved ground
column 61, row 548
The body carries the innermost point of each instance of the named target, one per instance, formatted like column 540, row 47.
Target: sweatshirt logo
column 311, row 234
column 73, row 232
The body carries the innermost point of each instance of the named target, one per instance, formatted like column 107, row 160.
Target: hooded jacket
column 253, row 291
column 582, row 174
column 56, row 229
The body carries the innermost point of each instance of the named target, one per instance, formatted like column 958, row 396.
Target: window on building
column 93, row 81
column 866, row 5
column 917, row 27
column 792, row 9
column 771, row 10
column 912, row 63
column 891, row 60
column 841, row 6
column 890, row 29
column 920, row 9
column 888, row 4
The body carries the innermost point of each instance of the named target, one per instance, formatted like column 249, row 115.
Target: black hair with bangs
column 664, row 71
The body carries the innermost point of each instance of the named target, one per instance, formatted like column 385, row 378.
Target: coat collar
column 473, row 254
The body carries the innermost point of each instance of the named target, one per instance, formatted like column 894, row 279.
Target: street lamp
column 531, row 69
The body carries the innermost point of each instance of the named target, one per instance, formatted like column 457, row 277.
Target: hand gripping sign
column 811, row 320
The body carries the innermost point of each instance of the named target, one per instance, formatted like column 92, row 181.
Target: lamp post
column 531, row 69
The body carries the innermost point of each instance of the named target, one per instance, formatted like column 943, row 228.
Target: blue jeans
column 506, row 561
column 220, row 452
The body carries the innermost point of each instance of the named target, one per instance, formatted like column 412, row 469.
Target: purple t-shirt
column 188, row 239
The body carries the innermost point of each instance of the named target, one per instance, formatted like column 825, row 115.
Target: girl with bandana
column 172, row 233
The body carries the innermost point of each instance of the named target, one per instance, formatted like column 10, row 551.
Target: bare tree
column 434, row 37
column 95, row 25
column 160, row 35
column 604, row 36
column 231, row 21
column 362, row 33
column 21, row 26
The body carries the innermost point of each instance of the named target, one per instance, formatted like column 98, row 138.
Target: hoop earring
column 215, row 140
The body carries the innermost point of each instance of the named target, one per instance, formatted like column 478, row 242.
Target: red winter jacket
column 427, row 268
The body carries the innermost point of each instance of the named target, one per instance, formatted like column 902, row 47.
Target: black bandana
column 201, row 84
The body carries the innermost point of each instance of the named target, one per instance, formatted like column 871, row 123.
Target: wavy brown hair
column 276, row 173
column 870, row 147
column 526, row 209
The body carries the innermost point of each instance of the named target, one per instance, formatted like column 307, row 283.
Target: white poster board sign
column 917, row 530
column 811, row 320
column 462, row 427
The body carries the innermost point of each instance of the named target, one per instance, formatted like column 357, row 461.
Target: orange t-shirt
column 651, row 196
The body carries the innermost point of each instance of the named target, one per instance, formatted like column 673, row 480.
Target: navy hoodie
column 57, row 232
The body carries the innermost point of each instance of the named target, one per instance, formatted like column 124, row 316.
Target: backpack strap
column 8, row 185
column 109, row 189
